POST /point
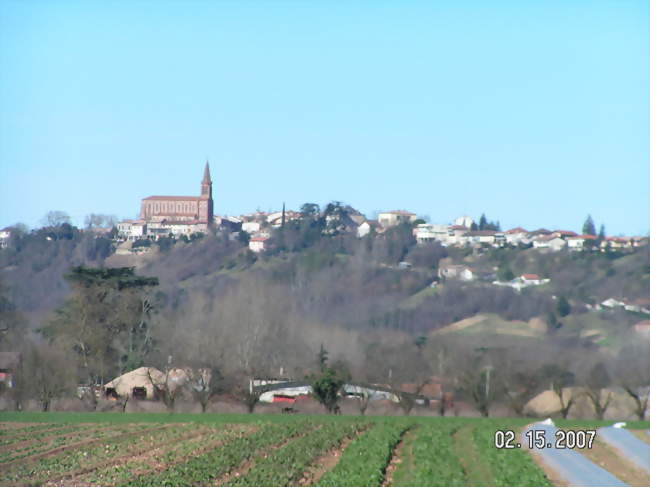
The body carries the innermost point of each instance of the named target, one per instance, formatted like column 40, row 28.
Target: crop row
column 509, row 467
column 9, row 429
column 364, row 461
column 40, row 434
column 287, row 465
column 79, row 456
column 210, row 465
column 164, row 451
column 51, row 442
column 429, row 459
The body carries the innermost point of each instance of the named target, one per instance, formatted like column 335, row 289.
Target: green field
column 112, row 449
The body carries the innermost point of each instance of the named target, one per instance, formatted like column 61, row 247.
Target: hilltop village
column 185, row 216
column 412, row 313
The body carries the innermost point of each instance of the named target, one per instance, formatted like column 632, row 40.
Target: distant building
column 460, row 272
column 464, row 221
column 193, row 210
column 132, row 229
column 392, row 218
column 5, row 235
column 258, row 244
column 552, row 242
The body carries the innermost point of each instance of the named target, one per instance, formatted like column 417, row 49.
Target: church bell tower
column 206, row 193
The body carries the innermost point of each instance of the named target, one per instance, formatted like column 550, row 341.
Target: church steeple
column 206, row 183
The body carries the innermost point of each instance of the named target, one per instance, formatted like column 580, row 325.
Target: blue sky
column 536, row 113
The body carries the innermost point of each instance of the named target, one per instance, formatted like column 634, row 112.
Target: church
column 181, row 211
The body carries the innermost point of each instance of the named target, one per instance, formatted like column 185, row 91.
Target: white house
column 132, row 229
column 392, row 218
column 578, row 243
column 427, row 232
column 258, row 244
column 549, row 242
column 464, row 221
column 460, row 272
column 482, row 237
column 518, row 235
column 531, row 280
column 457, row 235
column 5, row 235
column 365, row 227
column 251, row 227
column 613, row 303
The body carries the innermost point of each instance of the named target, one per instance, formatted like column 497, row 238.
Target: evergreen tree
column 589, row 227
column 482, row 223
column 601, row 232
column 563, row 306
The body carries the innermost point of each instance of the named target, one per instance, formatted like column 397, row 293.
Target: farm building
column 9, row 363
column 290, row 391
column 145, row 383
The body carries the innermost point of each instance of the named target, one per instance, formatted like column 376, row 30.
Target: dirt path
column 478, row 473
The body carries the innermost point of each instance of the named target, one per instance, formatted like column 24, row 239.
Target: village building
column 551, row 242
column 5, row 235
column 578, row 243
column 251, row 227
column 464, row 221
column 427, row 232
column 460, row 272
column 197, row 211
column 366, row 227
column 9, row 364
column 393, row 218
column 479, row 237
column 516, row 236
column 258, row 244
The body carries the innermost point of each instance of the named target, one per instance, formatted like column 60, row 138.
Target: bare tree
column 55, row 218
column 632, row 372
column 595, row 389
column 560, row 378
column 48, row 374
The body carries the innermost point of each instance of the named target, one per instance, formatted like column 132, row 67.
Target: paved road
column 629, row 446
column 570, row 465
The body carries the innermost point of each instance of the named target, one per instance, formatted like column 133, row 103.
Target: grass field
column 112, row 449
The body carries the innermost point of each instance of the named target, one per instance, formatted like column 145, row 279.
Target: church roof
column 167, row 198
column 206, row 173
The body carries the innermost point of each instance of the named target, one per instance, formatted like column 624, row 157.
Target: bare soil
column 79, row 444
column 642, row 435
column 551, row 474
column 142, row 452
column 326, row 462
column 49, row 439
column 243, row 468
column 396, row 458
column 609, row 458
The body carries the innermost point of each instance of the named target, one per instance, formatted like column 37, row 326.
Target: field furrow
column 430, row 459
column 288, row 464
column 71, row 456
column 364, row 461
column 207, row 467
